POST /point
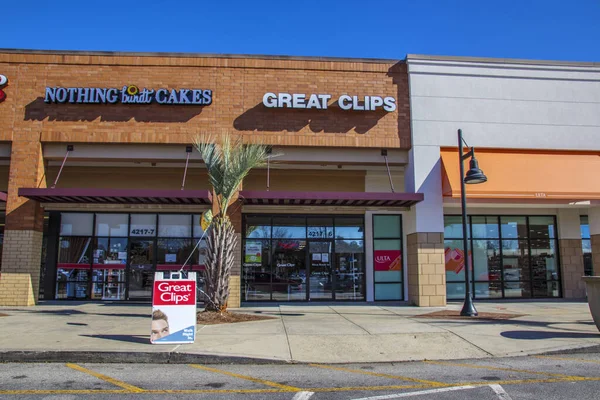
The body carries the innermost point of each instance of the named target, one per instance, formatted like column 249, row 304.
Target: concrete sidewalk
column 300, row 333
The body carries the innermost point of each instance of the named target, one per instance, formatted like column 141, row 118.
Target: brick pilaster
column 20, row 277
column 426, row 270
column 235, row 215
column 19, row 281
column 572, row 269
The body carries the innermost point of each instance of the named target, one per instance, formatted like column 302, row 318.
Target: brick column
column 19, row 278
column 235, row 215
column 572, row 269
column 595, row 254
column 426, row 270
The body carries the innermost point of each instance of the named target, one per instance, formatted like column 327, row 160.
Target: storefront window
column 112, row 225
column 453, row 226
column 312, row 257
column 513, row 256
column 258, row 227
column 289, row 227
column 256, row 277
column 143, row 225
column 513, row 227
column 320, row 228
column 108, row 267
column 76, row 224
column 174, row 225
column 387, row 257
column 73, row 267
column 586, row 244
column 349, row 228
column 111, row 256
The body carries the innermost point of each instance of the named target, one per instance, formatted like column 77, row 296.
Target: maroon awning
column 3, row 197
column 116, row 196
column 363, row 199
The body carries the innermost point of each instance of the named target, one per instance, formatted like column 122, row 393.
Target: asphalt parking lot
column 550, row 377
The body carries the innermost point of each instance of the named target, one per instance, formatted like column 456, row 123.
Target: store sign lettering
column 130, row 94
column 320, row 102
column 169, row 293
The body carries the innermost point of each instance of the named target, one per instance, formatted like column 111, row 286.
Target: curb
column 575, row 350
column 106, row 357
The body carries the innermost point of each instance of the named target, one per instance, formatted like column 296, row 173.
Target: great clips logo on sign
column 130, row 94
column 173, row 293
column 320, row 102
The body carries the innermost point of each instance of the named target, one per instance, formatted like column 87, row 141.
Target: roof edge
column 199, row 55
column 491, row 60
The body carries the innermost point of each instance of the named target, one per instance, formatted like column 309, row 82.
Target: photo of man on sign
column 160, row 325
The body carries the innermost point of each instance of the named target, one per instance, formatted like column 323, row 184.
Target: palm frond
column 228, row 163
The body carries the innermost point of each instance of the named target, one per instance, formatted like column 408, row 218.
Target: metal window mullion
column 529, row 250
column 501, row 256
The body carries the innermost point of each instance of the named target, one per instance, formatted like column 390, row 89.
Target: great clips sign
column 321, row 102
column 173, row 308
column 129, row 94
column 174, row 293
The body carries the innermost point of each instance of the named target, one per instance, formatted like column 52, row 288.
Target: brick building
column 102, row 189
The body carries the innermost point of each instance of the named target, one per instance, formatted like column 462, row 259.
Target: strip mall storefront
column 103, row 187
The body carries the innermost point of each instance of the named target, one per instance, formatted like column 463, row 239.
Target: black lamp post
column 474, row 176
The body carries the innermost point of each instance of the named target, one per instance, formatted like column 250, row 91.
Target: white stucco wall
column 504, row 104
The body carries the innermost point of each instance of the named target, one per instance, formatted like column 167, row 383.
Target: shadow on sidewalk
column 513, row 322
column 537, row 335
column 122, row 338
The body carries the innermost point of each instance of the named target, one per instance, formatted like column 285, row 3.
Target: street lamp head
column 474, row 174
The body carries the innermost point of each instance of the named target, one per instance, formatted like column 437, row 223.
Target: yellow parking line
column 105, row 378
column 402, row 378
column 61, row 391
column 523, row 371
column 569, row 359
column 248, row 378
column 365, row 388
column 320, row 389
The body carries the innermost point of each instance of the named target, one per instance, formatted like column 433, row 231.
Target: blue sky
column 535, row 29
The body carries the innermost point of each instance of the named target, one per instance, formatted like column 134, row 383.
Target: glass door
column 141, row 268
column 288, row 273
column 320, row 283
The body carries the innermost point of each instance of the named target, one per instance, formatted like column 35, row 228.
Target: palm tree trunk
column 221, row 244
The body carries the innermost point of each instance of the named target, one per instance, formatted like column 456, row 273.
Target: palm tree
column 228, row 163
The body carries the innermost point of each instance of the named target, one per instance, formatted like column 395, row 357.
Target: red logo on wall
column 173, row 293
column 388, row 260
column 3, row 82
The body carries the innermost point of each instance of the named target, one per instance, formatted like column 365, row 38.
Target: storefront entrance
column 141, row 269
column 303, row 258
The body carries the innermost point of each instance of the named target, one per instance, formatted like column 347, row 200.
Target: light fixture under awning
column 356, row 199
column 527, row 176
column 116, row 196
